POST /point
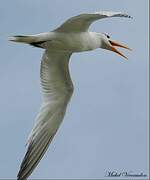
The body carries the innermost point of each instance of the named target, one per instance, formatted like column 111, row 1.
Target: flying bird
column 72, row 36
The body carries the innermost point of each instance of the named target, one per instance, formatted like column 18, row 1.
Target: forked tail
column 32, row 40
column 22, row 39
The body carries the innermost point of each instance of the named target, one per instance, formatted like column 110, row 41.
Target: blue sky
column 106, row 124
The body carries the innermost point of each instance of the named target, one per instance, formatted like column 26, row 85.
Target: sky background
column 106, row 124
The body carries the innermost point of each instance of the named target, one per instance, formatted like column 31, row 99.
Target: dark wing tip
column 123, row 15
column 128, row 16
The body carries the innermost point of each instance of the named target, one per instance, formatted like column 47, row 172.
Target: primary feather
column 57, row 89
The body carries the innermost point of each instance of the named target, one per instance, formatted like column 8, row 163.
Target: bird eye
column 108, row 36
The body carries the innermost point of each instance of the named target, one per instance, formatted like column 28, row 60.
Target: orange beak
column 113, row 43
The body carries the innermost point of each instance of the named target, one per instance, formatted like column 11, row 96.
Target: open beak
column 113, row 44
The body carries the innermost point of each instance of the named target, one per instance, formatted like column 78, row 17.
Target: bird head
column 109, row 44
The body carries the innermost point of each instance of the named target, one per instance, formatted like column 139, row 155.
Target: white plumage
column 72, row 36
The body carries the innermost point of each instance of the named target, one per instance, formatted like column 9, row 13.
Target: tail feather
column 22, row 39
column 31, row 40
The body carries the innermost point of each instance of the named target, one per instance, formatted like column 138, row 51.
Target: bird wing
column 82, row 22
column 57, row 89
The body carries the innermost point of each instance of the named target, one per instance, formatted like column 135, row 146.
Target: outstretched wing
column 57, row 89
column 82, row 22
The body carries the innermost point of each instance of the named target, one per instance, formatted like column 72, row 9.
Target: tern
column 72, row 36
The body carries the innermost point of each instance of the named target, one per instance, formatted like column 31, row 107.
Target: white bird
column 72, row 36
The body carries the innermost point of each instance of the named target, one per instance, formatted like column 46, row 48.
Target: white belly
column 73, row 42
